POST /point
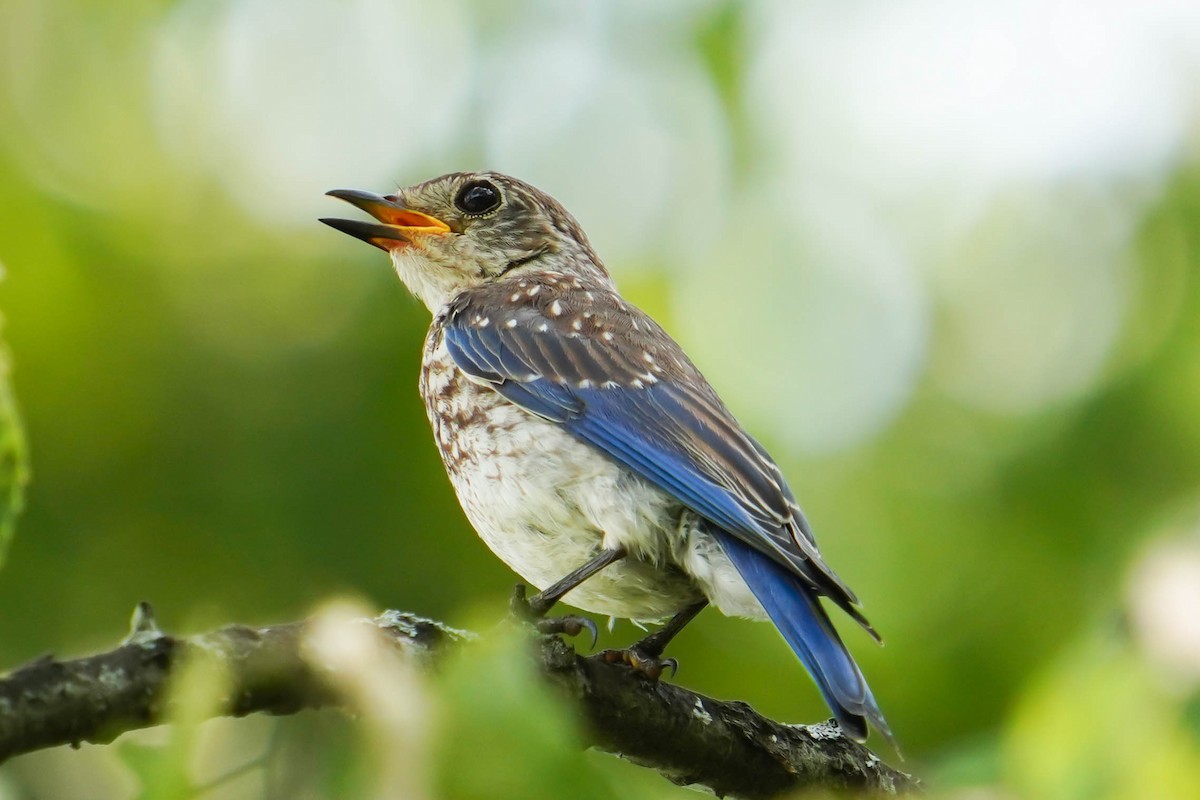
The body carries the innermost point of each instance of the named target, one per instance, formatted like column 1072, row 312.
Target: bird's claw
column 570, row 625
column 533, row 610
column 651, row 666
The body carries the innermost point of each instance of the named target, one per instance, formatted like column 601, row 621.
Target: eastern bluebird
column 587, row 450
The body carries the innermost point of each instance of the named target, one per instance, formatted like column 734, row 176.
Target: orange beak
column 400, row 224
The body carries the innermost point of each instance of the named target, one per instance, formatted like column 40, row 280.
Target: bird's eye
column 478, row 197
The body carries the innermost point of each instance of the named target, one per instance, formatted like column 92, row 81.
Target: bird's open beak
column 399, row 223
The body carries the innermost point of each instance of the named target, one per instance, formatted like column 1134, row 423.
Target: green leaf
column 197, row 691
column 14, row 457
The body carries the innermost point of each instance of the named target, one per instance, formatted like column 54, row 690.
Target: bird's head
column 464, row 230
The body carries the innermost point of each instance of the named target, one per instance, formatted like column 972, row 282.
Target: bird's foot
column 569, row 625
column 645, row 656
column 641, row 660
column 533, row 610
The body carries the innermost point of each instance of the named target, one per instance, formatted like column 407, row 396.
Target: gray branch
column 691, row 739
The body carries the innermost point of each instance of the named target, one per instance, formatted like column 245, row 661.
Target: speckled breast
column 459, row 410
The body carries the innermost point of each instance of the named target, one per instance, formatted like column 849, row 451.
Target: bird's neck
column 432, row 285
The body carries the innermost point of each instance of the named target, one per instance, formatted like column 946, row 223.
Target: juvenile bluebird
column 586, row 449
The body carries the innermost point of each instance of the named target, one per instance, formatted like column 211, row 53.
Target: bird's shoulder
column 586, row 328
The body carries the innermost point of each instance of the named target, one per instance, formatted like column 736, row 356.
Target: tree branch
column 689, row 738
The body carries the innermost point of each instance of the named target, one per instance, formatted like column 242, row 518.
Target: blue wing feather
column 542, row 398
column 616, row 423
column 481, row 353
column 465, row 351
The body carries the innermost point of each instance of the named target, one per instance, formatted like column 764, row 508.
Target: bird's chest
column 489, row 446
column 507, row 466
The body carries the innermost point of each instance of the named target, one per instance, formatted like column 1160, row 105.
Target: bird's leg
column 541, row 602
column 645, row 655
column 534, row 608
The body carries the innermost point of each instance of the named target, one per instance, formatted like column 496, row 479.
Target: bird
column 586, row 449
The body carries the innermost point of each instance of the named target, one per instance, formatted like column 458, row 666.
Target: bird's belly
column 546, row 504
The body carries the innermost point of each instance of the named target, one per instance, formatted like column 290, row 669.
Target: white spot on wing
column 556, row 308
column 543, row 327
column 577, row 324
column 585, row 384
column 512, row 323
column 607, row 336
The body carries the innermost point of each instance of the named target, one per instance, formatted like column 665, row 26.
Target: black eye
column 478, row 197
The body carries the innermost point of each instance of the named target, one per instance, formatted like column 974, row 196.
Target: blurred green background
column 942, row 258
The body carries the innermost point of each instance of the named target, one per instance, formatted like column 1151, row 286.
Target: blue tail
column 797, row 612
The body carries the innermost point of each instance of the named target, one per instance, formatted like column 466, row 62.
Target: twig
column 691, row 739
